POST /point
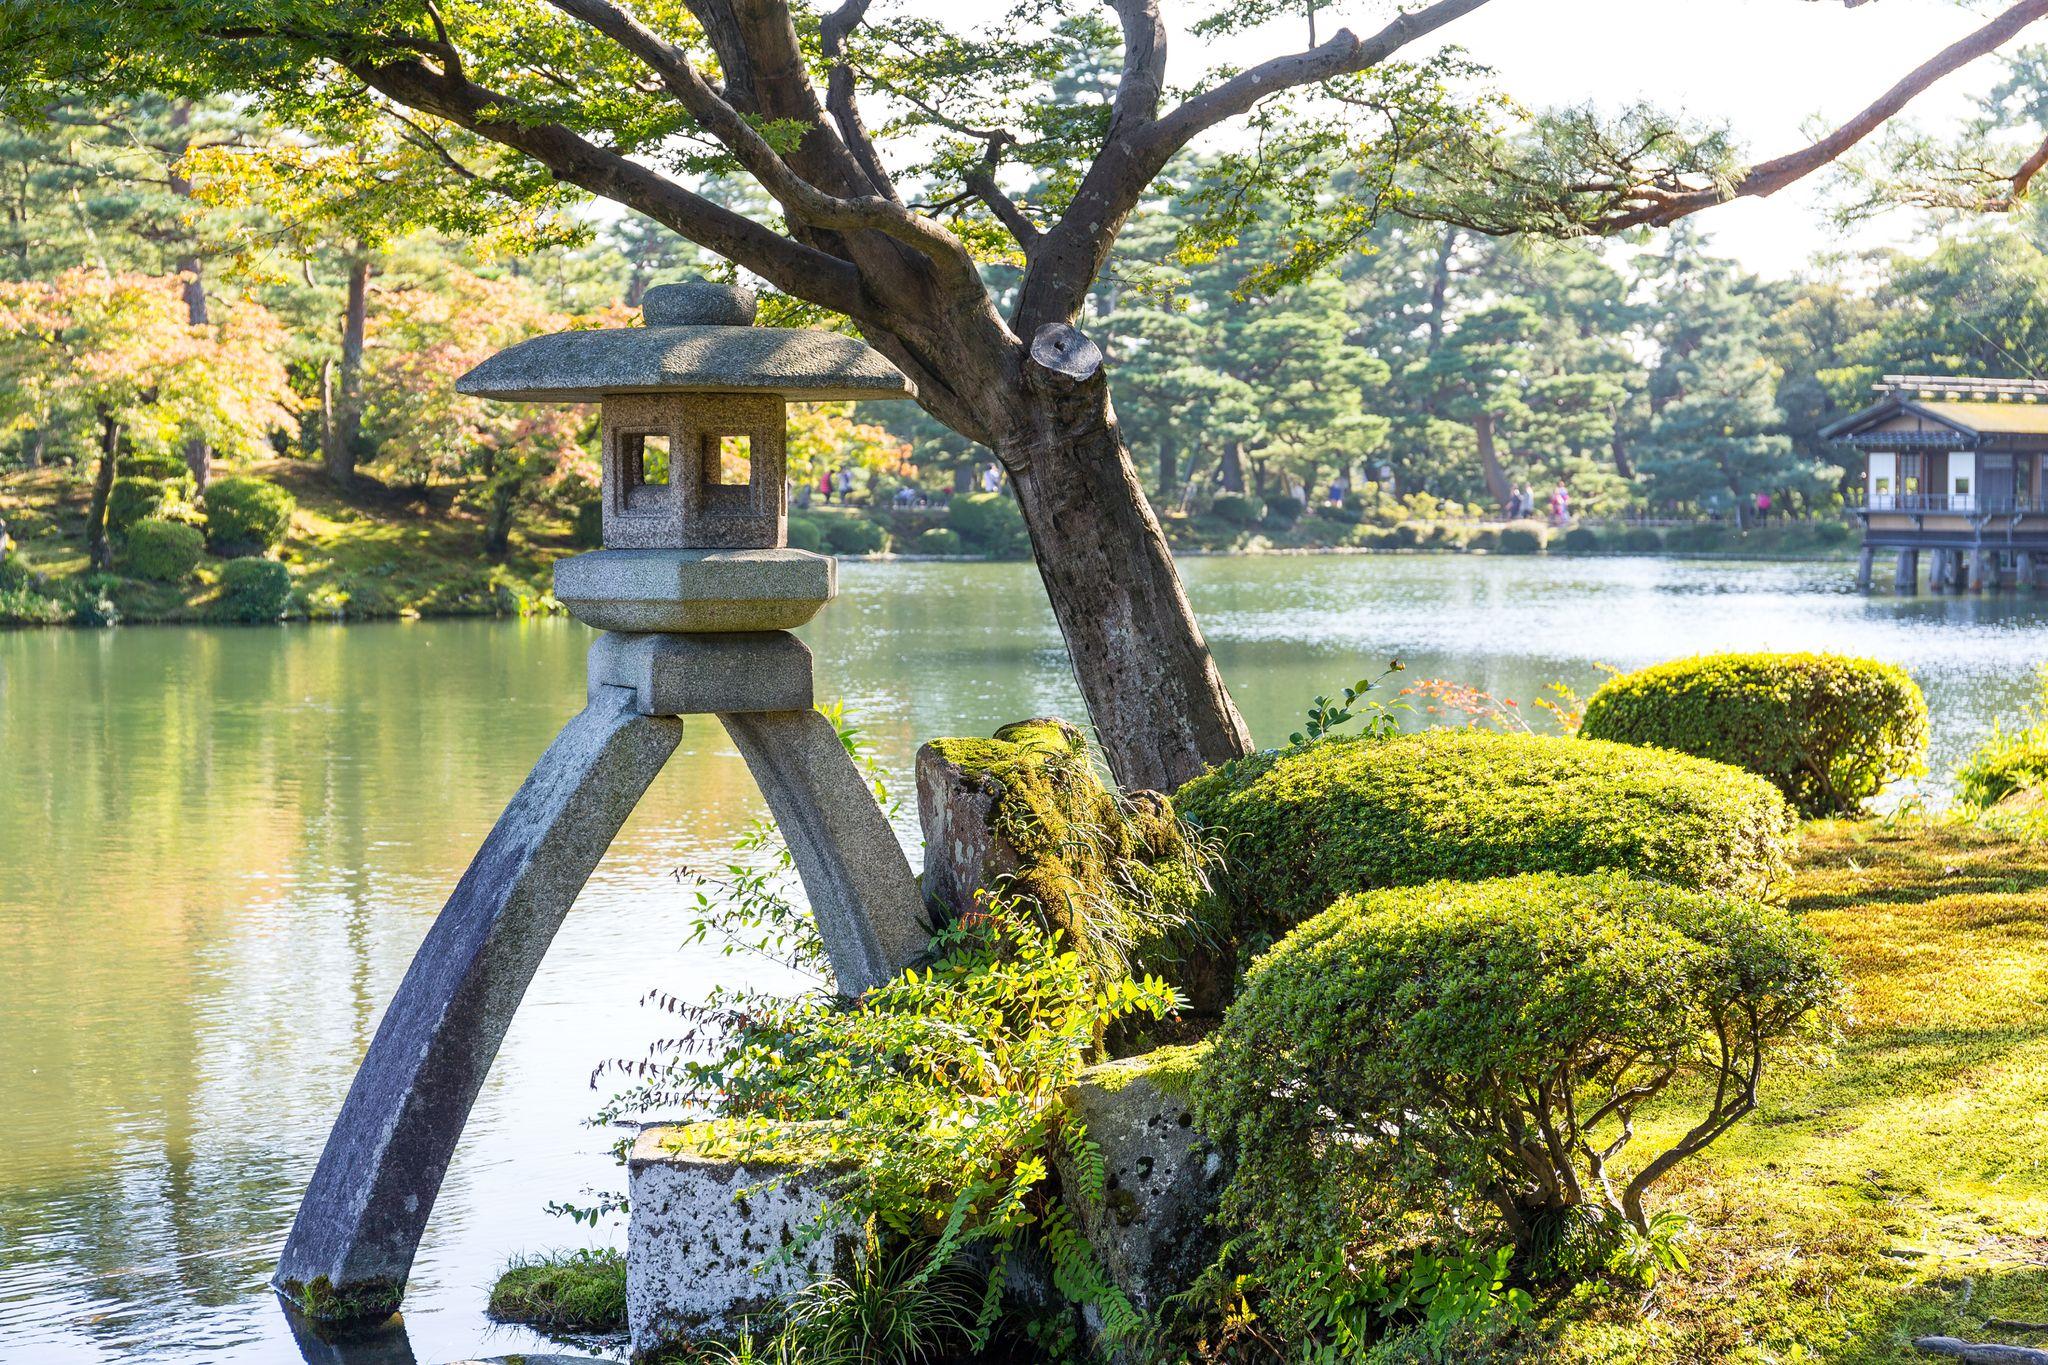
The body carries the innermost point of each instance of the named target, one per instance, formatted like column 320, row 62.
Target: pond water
column 219, row 848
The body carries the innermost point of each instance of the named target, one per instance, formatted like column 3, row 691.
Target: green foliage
column 1828, row 730
column 1300, row 828
column 855, row 536
column 1523, row 538
column 569, row 1291
column 1431, row 1060
column 1282, row 510
column 1326, row 716
column 162, row 551
column 1582, row 540
column 151, row 464
column 990, row 524
column 1235, row 509
column 588, row 524
column 254, row 591
column 2008, row 761
column 806, row 534
column 939, row 540
column 889, row 1308
column 135, row 499
column 246, row 516
column 1642, row 540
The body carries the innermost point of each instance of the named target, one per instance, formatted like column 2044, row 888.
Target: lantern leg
column 864, row 897
column 351, row 1247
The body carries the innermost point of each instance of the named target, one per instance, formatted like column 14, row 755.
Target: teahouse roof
column 1969, row 408
column 699, row 338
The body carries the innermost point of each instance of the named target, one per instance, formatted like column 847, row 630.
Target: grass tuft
column 582, row 1292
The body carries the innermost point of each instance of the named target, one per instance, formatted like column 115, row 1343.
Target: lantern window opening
column 645, row 468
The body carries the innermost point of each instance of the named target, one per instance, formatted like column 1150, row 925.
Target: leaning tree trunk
column 1489, row 459
column 345, row 433
column 198, row 454
column 1233, row 467
column 97, row 548
column 1159, row 706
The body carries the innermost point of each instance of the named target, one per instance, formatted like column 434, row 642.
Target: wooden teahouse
column 1955, row 468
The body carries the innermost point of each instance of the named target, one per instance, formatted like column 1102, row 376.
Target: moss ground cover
column 1902, row 1191
column 572, row 1292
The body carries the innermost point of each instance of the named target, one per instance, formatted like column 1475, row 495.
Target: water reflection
column 218, row 849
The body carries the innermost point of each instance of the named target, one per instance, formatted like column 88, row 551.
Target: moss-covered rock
column 1025, row 814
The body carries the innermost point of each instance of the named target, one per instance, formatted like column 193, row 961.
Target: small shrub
column 805, row 534
column 246, row 516
column 1641, row 540
column 990, row 524
column 1234, row 509
column 2007, row 762
column 1833, row 532
column 1702, row 536
column 588, row 523
column 573, row 1291
column 1486, row 538
column 1454, row 1061
column 254, row 591
column 1410, row 535
column 162, row 551
column 156, row 465
column 855, row 536
column 1827, row 730
column 1304, row 826
column 1582, row 540
column 938, row 540
column 131, row 500
column 1283, row 510
column 1523, row 538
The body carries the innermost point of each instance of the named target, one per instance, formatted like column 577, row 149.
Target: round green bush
column 1300, row 827
column 134, row 499
column 1410, row 535
column 1523, row 538
column 1705, row 535
column 1486, row 538
column 938, row 540
column 1582, row 540
column 806, row 534
column 254, row 591
column 1833, row 532
column 1234, row 509
column 1283, row 510
column 1827, row 730
column 2007, row 762
column 855, row 536
column 162, row 551
column 1441, row 1059
column 589, row 524
column 246, row 516
column 990, row 524
column 1642, row 540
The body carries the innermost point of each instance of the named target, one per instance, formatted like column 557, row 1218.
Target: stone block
column 641, row 591
column 688, row 675
column 705, row 1247
column 1150, row 1226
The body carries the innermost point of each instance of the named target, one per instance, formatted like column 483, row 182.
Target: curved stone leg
column 863, row 894
column 352, row 1245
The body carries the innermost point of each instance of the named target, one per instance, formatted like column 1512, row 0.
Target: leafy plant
column 1828, row 730
column 1326, row 716
column 989, row 524
column 254, row 591
column 164, row 551
column 573, row 1291
column 2008, row 761
column 894, row 1306
column 246, row 516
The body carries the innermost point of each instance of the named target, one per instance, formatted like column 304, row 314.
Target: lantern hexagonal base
column 668, row 591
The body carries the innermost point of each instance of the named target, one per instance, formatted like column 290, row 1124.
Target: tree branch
column 839, row 96
column 1144, row 76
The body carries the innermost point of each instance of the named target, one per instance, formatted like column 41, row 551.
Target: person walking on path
column 1560, row 503
column 845, row 479
column 825, row 486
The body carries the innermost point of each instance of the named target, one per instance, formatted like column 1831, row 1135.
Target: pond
column 219, row 848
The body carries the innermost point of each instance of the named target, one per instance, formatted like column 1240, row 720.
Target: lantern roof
column 699, row 338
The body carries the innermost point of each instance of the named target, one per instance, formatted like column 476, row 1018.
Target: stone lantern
column 694, row 594
column 695, row 481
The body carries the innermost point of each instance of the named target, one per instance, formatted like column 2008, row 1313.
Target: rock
column 695, row 591
column 1980, row 1353
column 699, row 303
column 1150, row 1222
column 710, row 1214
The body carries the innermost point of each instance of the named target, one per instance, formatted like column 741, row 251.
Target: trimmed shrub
column 1282, row 510
column 162, row 551
column 1833, row 532
column 133, row 499
column 1582, row 540
column 1641, row 540
column 805, row 534
column 1301, row 827
column 1486, row 538
column 990, row 524
column 1410, row 535
column 254, row 591
column 855, row 536
column 1441, row 1060
column 1234, row 509
column 246, row 516
column 1705, row 535
column 156, row 465
column 937, row 540
column 588, row 524
column 1523, row 538
column 1827, row 730
column 2006, row 763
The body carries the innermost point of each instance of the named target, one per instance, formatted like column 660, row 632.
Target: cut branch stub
column 1063, row 357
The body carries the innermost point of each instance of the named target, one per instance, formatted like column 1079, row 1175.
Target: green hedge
column 1234, row 509
column 990, row 524
column 162, row 551
column 1283, row 510
column 855, row 536
column 938, row 540
column 1828, row 730
column 1582, row 540
column 2007, row 762
column 1301, row 827
column 1447, row 1012
column 1641, row 540
column 805, row 534
column 246, row 516
column 132, row 499
column 588, row 523
column 254, row 591
column 1523, row 538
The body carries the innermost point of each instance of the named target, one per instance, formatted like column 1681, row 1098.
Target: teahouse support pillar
column 1864, row 563
column 1906, row 573
column 2026, row 572
column 695, row 591
column 1983, row 572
